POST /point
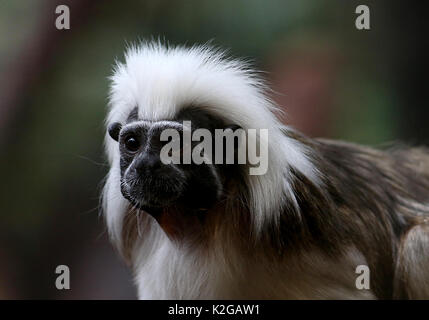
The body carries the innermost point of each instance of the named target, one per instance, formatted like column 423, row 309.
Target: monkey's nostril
column 147, row 167
column 142, row 170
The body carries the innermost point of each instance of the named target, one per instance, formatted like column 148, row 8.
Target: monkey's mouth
column 152, row 190
column 154, row 209
column 149, row 199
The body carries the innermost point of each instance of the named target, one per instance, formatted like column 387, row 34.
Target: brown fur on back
column 370, row 199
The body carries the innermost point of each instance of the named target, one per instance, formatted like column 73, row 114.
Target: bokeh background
column 332, row 79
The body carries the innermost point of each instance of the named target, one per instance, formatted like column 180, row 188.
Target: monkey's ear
column 114, row 130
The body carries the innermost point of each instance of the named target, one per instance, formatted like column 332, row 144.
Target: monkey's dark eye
column 131, row 143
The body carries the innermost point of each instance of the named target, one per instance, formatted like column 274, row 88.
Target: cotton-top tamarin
column 213, row 230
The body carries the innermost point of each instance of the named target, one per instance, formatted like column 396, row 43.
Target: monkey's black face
column 145, row 181
column 150, row 182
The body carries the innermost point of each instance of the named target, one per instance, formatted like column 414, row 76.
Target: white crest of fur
column 161, row 80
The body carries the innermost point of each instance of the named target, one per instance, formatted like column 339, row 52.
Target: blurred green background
column 332, row 80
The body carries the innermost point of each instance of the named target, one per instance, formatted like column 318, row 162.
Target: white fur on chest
column 165, row 272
